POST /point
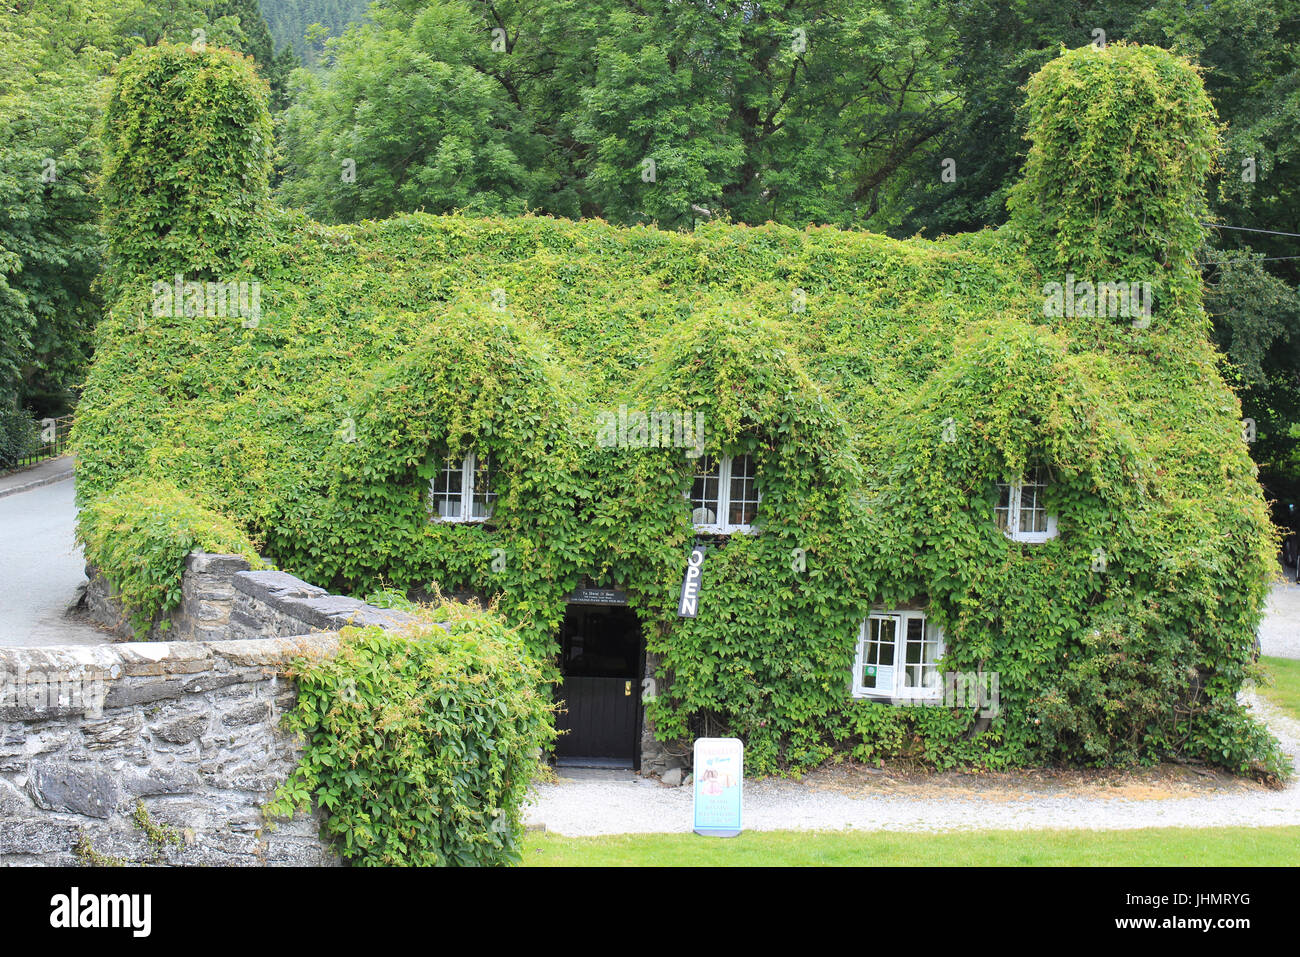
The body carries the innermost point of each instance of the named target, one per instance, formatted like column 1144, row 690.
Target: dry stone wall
column 222, row 600
column 165, row 751
column 160, row 752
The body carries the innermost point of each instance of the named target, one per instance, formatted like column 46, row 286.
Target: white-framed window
column 724, row 494
column 1021, row 512
column 461, row 490
column 897, row 659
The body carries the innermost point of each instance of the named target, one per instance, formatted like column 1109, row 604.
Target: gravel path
column 617, row 802
column 585, row 802
column 41, row 568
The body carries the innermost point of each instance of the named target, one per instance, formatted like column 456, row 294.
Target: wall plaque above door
column 597, row 596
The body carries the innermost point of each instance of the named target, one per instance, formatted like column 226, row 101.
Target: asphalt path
column 41, row 569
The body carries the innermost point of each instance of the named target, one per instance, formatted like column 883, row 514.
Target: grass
column 1148, row 847
column 1285, row 689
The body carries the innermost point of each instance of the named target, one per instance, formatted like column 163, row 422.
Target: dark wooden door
column 602, row 660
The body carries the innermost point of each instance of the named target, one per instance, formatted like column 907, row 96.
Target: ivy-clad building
column 982, row 500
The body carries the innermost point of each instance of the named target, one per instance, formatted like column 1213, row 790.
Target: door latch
column 627, row 689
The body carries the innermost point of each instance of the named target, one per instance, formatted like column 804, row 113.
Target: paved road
column 1279, row 633
column 41, row 569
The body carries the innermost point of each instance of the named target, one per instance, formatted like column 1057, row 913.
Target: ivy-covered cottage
column 982, row 500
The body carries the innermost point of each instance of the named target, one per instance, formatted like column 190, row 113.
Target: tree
column 616, row 110
column 55, row 55
column 290, row 21
column 407, row 119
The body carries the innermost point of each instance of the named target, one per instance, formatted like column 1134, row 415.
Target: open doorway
column 602, row 661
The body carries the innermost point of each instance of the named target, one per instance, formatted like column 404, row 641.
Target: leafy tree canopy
column 55, row 55
column 608, row 109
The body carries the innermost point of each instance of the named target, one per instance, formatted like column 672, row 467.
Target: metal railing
column 53, row 440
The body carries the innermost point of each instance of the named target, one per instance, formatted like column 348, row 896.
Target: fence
column 53, row 440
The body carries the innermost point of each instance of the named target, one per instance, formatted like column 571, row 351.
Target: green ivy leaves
column 420, row 746
column 883, row 387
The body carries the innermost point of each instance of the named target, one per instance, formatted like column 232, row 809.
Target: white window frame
column 898, row 690
column 1015, row 490
column 468, row 470
column 724, row 527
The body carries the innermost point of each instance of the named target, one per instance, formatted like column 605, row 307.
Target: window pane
column 444, row 491
column 922, row 653
column 878, row 654
column 704, row 492
column 1003, row 510
column 743, row 502
column 482, row 496
column 915, row 633
column 1033, row 516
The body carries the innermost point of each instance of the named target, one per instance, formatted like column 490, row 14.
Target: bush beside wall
column 421, row 744
column 18, row 436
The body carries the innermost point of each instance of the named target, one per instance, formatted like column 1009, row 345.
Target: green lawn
column 1285, row 690
column 1147, row 847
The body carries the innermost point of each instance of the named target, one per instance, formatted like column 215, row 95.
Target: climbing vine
column 420, row 747
column 884, row 389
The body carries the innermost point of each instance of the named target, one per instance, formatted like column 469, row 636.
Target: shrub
column 19, row 436
column 138, row 535
column 420, row 746
column 1227, row 735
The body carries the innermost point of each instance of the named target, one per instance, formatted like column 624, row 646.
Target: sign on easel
column 719, row 780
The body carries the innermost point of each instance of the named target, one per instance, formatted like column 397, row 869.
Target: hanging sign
column 719, row 779
column 688, row 605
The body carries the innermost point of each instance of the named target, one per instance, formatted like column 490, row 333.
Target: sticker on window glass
column 879, row 676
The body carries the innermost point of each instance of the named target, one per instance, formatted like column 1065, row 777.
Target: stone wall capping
column 313, row 606
column 187, row 724
column 210, row 563
column 264, row 652
column 60, row 659
column 271, row 586
column 222, row 598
